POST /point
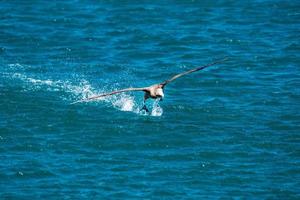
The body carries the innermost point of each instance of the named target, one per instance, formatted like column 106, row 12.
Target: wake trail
column 83, row 89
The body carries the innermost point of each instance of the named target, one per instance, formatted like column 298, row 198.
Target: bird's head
column 159, row 92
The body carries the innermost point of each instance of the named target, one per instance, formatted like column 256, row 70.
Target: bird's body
column 154, row 91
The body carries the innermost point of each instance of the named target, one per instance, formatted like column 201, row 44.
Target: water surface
column 231, row 132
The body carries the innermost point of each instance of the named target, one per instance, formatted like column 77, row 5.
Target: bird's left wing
column 111, row 93
column 191, row 71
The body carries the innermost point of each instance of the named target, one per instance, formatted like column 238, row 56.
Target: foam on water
column 82, row 90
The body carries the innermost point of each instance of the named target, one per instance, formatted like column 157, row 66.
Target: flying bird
column 155, row 91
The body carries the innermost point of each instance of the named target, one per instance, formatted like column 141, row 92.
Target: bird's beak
column 162, row 96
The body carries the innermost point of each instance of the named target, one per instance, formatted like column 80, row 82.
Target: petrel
column 155, row 91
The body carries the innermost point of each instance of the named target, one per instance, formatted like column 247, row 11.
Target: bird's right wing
column 111, row 93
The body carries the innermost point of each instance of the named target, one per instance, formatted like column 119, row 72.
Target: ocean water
column 231, row 131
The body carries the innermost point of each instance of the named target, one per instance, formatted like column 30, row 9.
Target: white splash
column 124, row 103
column 156, row 109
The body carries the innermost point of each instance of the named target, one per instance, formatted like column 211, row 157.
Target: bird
column 155, row 91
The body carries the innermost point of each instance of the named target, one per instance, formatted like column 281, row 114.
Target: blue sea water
column 231, row 131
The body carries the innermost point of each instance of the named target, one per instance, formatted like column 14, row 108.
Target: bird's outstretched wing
column 192, row 70
column 111, row 93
